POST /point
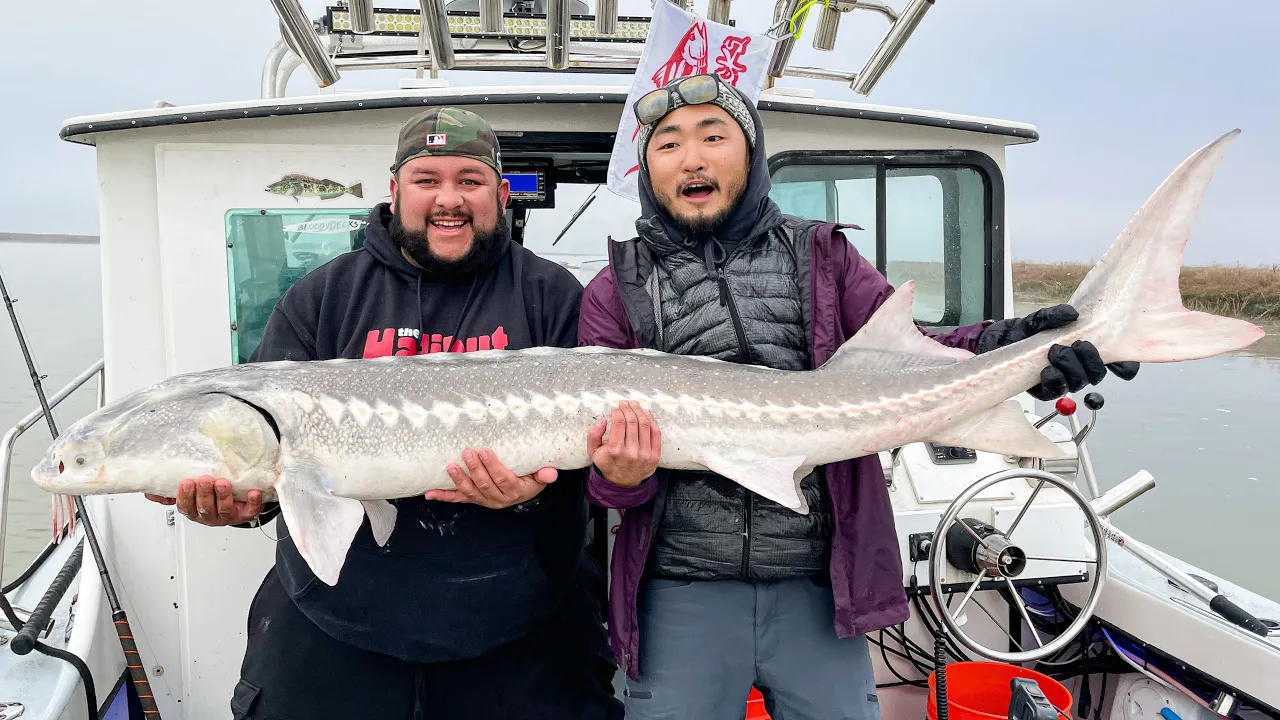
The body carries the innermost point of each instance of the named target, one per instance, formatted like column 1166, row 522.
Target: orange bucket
column 980, row 691
column 755, row 706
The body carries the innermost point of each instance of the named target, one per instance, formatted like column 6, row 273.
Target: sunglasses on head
column 693, row 90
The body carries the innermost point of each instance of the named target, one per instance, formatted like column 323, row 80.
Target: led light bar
column 407, row 22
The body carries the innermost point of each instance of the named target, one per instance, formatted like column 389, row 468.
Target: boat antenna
column 133, row 661
column 577, row 214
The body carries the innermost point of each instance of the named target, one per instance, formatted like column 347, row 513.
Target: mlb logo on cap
column 436, row 139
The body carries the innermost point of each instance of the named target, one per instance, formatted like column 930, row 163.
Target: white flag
column 681, row 44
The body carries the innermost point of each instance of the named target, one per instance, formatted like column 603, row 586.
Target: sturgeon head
column 150, row 440
column 190, row 426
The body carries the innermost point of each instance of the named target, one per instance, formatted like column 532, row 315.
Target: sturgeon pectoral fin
column 776, row 478
column 321, row 524
column 382, row 519
column 1002, row 429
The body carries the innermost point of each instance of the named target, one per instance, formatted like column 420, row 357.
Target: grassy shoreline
column 1251, row 293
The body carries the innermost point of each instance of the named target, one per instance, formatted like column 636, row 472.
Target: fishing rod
column 133, row 661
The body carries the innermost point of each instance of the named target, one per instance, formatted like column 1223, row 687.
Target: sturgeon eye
column 79, row 459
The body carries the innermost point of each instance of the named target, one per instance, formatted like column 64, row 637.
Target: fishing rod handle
column 133, row 661
column 1236, row 614
column 25, row 641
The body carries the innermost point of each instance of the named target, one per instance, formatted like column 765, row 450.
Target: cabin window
column 269, row 250
column 927, row 216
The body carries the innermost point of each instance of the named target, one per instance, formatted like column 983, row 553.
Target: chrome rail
column 301, row 41
column 11, row 437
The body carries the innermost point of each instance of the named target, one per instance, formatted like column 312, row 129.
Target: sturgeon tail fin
column 1133, row 290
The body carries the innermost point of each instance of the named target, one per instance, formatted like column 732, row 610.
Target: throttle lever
column 1094, row 401
column 1064, row 406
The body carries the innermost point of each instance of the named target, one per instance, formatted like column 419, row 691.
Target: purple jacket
column 866, row 570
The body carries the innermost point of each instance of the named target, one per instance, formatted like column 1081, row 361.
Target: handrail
column 348, row 40
column 11, row 437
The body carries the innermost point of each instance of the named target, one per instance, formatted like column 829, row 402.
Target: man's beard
column 417, row 247
column 702, row 224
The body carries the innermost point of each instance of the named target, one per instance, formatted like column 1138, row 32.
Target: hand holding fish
column 631, row 454
column 490, row 483
column 208, row 501
column 1070, row 367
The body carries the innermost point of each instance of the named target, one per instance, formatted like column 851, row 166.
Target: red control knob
column 1065, row 406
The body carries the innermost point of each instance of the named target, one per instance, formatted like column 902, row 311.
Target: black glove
column 1070, row 368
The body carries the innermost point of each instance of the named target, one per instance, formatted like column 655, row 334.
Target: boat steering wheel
column 997, row 558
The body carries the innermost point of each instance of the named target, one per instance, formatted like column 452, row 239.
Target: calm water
column 56, row 292
column 1204, row 429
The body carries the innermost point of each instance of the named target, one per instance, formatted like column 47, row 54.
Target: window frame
column 884, row 160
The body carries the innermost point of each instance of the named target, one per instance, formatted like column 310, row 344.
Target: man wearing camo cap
column 483, row 604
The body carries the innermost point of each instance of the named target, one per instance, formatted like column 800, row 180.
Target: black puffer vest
column 746, row 307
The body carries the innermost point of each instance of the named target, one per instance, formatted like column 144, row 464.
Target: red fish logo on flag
column 689, row 57
column 679, row 45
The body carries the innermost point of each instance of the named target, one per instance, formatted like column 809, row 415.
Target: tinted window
column 933, row 220
column 268, row 250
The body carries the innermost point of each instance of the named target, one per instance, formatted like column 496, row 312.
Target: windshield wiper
column 576, row 214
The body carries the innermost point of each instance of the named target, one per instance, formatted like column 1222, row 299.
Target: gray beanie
column 728, row 98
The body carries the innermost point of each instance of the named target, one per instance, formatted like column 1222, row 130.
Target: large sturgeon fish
column 334, row 440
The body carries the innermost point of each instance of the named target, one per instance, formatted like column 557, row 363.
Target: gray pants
column 704, row 644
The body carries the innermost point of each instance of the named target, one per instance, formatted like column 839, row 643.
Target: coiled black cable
column 940, row 675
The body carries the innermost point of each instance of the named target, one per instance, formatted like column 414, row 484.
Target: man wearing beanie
column 483, row 603
column 714, row 588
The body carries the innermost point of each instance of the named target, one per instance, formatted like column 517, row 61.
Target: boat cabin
column 209, row 213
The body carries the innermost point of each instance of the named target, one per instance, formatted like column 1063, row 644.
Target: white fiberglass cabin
column 196, row 249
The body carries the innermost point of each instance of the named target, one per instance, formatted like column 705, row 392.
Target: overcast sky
column 1120, row 92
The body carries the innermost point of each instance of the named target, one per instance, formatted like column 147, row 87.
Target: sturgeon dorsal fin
column 892, row 329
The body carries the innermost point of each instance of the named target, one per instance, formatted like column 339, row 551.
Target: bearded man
column 483, row 604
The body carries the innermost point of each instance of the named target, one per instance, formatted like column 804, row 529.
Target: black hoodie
column 455, row 580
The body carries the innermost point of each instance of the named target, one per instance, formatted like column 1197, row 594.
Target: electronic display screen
column 523, row 183
column 530, row 188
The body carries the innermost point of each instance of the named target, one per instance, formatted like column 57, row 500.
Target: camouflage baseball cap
column 448, row 131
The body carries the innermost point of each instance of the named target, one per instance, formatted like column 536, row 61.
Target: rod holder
column 435, row 27
column 606, row 17
column 302, row 39
column 718, row 11
column 887, row 51
column 491, row 16
column 558, row 34
column 828, row 26
column 1123, row 494
column 362, row 20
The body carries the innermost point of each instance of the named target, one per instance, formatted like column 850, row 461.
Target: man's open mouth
column 697, row 190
